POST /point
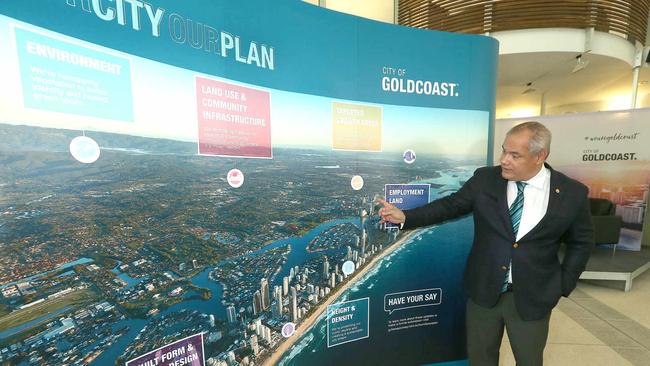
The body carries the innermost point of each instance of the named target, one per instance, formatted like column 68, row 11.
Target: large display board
column 194, row 183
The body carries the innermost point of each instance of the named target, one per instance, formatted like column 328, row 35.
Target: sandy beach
column 305, row 325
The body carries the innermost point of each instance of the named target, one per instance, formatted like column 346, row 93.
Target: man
column 522, row 211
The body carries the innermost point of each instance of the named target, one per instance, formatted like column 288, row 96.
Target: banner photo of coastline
column 197, row 183
column 606, row 151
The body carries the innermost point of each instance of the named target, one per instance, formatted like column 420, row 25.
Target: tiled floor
column 599, row 324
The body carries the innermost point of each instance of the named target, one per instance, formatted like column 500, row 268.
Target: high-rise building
column 631, row 213
column 348, row 255
column 258, row 326
column 231, row 314
column 264, row 288
column 326, row 267
column 266, row 334
column 277, row 296
column 285, row 286
column 364, row 238
column 294, row 305
column 254, row 346
column 619, row 197
column 332, row 281
column 257, row 302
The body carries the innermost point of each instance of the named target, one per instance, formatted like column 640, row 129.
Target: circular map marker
column 235, row 178
column 288, row 329
column 347, row 267
column 84, row 149
column 409, row 156
column 356, row 182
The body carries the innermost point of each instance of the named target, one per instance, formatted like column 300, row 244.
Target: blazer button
column 515, row 245
column 504, row 268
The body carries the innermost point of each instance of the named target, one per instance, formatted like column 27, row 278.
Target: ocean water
column 433, row 259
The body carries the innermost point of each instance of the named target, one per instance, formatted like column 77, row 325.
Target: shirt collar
column 539, row 180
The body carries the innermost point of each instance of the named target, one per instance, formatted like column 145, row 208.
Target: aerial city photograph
column 106, row 261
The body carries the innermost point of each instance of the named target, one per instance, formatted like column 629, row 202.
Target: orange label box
column 356, row 127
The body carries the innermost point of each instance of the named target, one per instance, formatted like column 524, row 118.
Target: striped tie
column 516, row 209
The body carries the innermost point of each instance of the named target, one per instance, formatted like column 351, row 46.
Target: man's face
column 517, row 163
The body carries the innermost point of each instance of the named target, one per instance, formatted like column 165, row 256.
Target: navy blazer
column 539, row 279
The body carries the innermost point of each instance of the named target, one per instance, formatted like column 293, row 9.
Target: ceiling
column 604, row 83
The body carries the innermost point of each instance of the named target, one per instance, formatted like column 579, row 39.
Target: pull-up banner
column 195, row 183
column 608, row 152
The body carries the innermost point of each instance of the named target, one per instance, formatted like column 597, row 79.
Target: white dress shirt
column 536, row 193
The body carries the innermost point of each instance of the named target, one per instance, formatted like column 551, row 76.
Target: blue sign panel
column 347, row 321
column 406, row 196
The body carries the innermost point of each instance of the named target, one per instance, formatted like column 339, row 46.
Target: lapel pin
column 557, row 190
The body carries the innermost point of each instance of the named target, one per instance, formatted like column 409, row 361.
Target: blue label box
column 406, row 196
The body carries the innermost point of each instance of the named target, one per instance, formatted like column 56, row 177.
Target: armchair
column 607, row 226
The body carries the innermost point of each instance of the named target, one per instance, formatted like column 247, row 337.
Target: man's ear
column 541, row 156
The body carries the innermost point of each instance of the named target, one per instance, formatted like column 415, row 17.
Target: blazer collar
column 502, row 202
column 556, row 189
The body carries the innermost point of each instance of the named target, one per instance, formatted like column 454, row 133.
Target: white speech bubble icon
column 84, row 149
column 347, row 267
column 409, row 156
column 288, row 329
column 235, row 178
column 356, row 182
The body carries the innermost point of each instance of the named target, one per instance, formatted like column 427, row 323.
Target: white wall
column 381, row 10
